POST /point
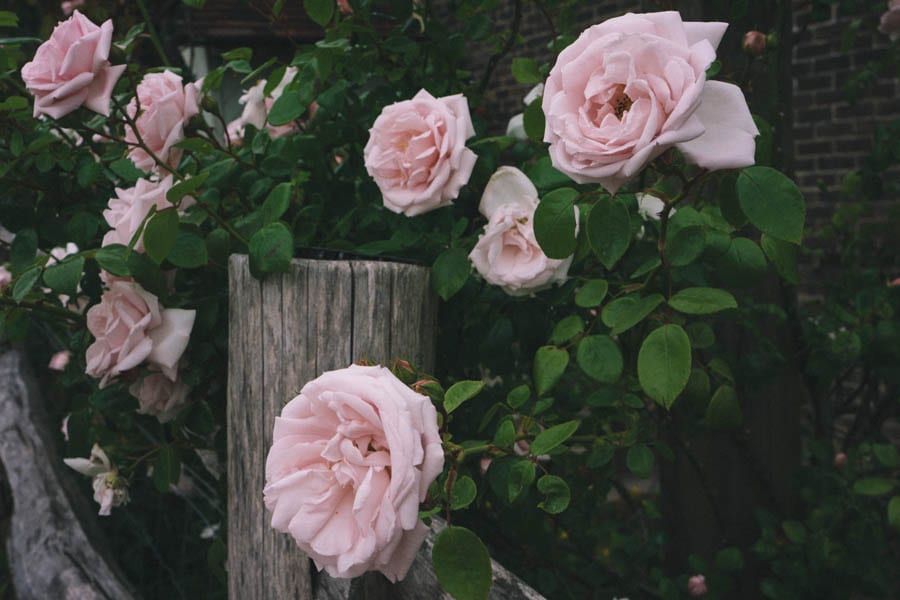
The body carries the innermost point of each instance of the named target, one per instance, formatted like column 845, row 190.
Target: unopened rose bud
column 840, row 460
column 59, row 360
column 754, row 43
column 697, row 586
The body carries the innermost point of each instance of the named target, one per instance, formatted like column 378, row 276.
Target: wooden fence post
column 284, row 331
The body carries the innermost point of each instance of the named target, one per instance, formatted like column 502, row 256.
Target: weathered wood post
column 284, row 331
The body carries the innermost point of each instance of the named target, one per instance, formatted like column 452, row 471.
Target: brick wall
column 831, row 135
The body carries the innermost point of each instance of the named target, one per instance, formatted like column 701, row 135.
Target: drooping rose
column 257, row 106
column 59, row 360
column 507, row 254
column 417, row 152
column 351, row 459
column 160, row 396
column 516, row 126
column 130, row 327
column 5, row 277
column 890, row 20
column 72, row 69
column 130, row 207
column 632, row 87
column 166, row 105
column 109, row 488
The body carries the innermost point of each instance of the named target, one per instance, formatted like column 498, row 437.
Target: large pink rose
column 160, row 396
column 166, row 105
column 890, row 21
column 129, row 208
column 71, row 69
column 417, row 152
column 352, row 458
column 257, row 106
column 630, row 88
column 507, row 254
column 130, row 327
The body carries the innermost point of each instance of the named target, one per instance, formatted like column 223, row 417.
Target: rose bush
column 351, row 459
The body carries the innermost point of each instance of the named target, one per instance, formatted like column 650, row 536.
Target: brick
column 816, row 82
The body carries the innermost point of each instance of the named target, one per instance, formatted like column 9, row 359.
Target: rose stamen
column 621, row 105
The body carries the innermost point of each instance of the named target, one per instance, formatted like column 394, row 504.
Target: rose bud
column 754, row 43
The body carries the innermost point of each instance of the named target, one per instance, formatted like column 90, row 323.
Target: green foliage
column 462, row 564
column 664, row 364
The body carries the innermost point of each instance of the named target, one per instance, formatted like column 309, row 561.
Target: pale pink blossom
column 110, row 489
column 131, row 327
column 840, row 460
column 70, row 5
column 72, row 69
column 697, row 586
column 352, row 458
column 130, row 207
column 507, row 253
column 166, row 105
column 160, row 396
column 417, row 152
column 890, row 20
column 59, row 360
column 754, row 43
column 344, row 7
column 634, row 86
column 5, row 277
column 257, row 106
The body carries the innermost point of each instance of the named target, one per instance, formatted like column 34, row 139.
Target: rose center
column 621, row 102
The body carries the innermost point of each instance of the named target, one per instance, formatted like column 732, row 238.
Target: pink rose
column 109, row 488
column 166, row 105
column 352, row 458
column 5, row 278
column 697, row 586
column 417, row 152
column 130, row 327
column 344, row 7
column 160, row 396
column 129, row 208
column 59, row 360
column 70, row 5
column 507, row 253
column 754, row 43
column 890, row 21
column 840, row 460
column 257, row 106
column 630, row 88
column 71, row 69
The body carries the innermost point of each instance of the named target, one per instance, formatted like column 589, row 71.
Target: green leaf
column 462, row 564
column 277, row 203
column 505, row 435
column 873, row 486
column 23, row 249
column 189, row 251
column 320, row 11
column 599, row 356
column 147, row 273
column 521, row 476
column 783, row 255
column 609, row 231
column 160, row 234
column 566, row 329
column 64, row 277
column 886, row 454
column 556, row 494
column 518, row 396
column 893, row 512
column 545, row 177
column 166, row 469
column 534, row 122
column 795, row 531
column 289, row 106
column 464, row 492
column 730, row 559
column 25, row 282
column 271, row 249
column 698, row 386
column 686, row 245
column 702, row 301
column 724, row 410
column 772, row 202
column 550, row 363
column 701, row 334
column 664, row 364
column 185, row 187
column 742, row 265
column 622, row 314
column 592, row 293
column 126, row 170
column 639, row 460
column 550, row 438
column 554, row 223
column 450, row 271
column 525, row 70
column 460, row 392
column 114, row 259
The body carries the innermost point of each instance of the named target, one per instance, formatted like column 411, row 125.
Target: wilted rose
column 166, row 106
column 72, row 69
column 632, row 87
column 417, row 152
column 507, row 253
column 351, row 459
column 160, row 396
